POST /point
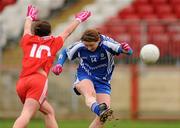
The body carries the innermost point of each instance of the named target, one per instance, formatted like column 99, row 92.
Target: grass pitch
column 111, row 124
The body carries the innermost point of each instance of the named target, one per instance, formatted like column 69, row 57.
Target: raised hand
column 57, row 69
column 82, row 16
column 32, row 13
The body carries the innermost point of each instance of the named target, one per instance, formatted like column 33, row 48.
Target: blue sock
column 95, row 108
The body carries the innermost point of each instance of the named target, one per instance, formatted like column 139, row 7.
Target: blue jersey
column 99, row 64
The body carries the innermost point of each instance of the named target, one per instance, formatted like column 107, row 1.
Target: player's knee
column 98, row 122
column 51, row 112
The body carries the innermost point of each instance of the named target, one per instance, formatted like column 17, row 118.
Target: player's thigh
column 103, row 98
column 46, row 108
column 30, row 107
column 85, row 86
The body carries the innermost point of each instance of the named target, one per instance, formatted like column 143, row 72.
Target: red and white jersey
column 39, row 52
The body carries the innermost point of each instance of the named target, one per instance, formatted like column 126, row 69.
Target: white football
column 149, row 53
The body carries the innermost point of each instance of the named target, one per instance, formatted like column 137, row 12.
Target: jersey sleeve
column 73, row 50
column 59, row 42
column 62, row 57
column 25, row 39
column 111, row 45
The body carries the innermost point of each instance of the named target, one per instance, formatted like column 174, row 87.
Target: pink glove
column 32, row 13
column 125, row 46
column 57, row 69
column 82, row 16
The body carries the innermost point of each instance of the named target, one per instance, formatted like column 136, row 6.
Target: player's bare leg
column 29, row 109
column 96, row 123
column 86, row 88
column 49, row 115
column 101, row 98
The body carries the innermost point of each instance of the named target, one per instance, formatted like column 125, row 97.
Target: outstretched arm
column 80, row 17
column 62, row 57
column 57, row 69
column 115, row 47
column 31, row 16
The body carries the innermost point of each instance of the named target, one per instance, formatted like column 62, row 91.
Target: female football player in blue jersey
column 96, row 53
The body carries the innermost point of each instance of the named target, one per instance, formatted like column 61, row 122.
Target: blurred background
column 139, row 91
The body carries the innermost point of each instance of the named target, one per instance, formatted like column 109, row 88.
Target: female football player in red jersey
column 39, row 49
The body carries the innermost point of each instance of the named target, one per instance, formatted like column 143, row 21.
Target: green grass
column 111, row 124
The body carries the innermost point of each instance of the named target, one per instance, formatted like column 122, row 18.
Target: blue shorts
column 99, row 86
